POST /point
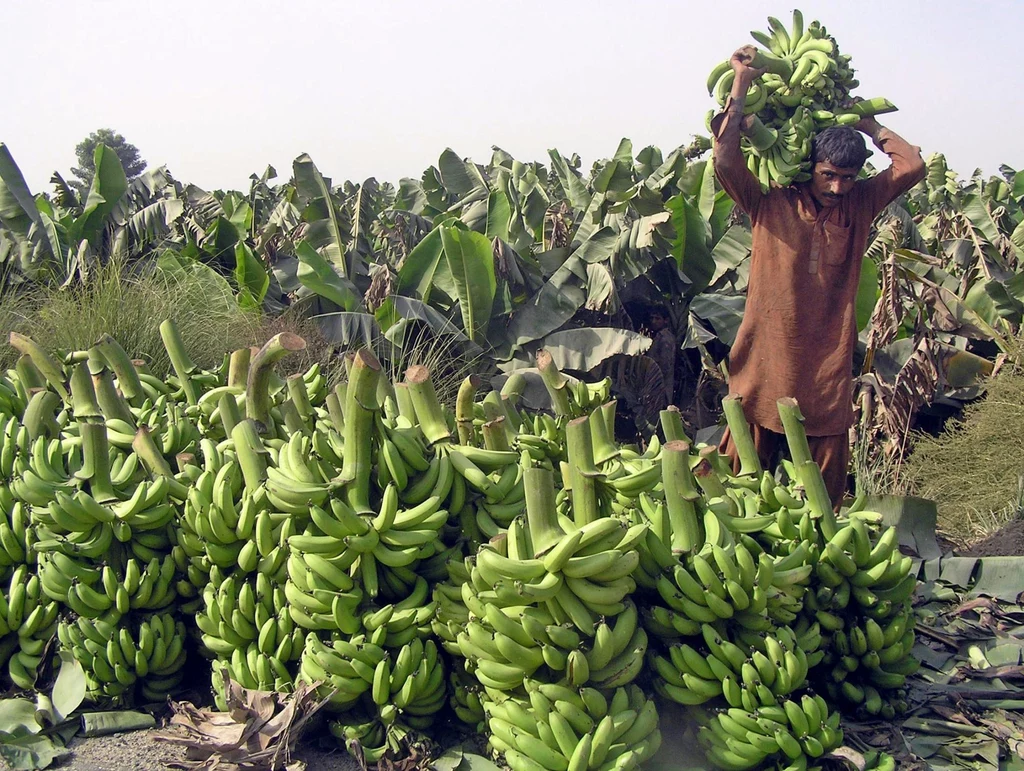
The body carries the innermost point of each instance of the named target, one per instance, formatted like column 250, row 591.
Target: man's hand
column 740, row 62
column 868, row 126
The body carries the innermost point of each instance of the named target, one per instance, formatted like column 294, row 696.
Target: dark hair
column 842, row 146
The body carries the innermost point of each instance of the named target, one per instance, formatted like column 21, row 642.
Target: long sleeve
column 905, row 170
column 730, row 167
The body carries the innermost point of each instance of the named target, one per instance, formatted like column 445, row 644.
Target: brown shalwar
column 799, row 328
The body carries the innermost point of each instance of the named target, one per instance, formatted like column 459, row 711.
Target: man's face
column 830, row 183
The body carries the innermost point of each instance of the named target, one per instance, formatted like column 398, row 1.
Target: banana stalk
column 95, row 456
column 429, row 413
column 230, row 415
column 541, row 510
column 238, row 367
column 808, row 474
column 261, row 368
column 110, row 401
column 793, row 425
column 494, row 434
column 28, row 373
column 513, row 387
column 740, row 430
column 300, row 397
column 83, row 396
column 464, row 408
column 761, row 137
column 48, row 367
column 769, row 62
column 680, row 494
column 145, row 447
column 672, row 425
column 582, row 471
column 41, row 414
column 124, row 369
column 181, row 362
column 250, row 452
column 555, row 382
column 360, row 413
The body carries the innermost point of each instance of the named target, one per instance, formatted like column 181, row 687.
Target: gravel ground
column 139, row 751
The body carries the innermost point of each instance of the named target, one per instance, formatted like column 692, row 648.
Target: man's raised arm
column 730, row 166
column 905, row 170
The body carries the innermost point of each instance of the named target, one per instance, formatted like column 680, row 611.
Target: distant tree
column 128, row 154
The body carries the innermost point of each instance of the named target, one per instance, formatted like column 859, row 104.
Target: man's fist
column 741, row 61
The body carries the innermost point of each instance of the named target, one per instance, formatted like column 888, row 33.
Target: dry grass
column 974, row 470
column 129, row 305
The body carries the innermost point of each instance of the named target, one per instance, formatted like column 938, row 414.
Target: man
column 800, row 327
column 663, row 348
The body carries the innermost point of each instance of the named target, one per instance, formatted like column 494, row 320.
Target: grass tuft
column 974, row 469
column 129, row 304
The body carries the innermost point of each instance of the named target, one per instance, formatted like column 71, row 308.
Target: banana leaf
column 499, row 215
column 460, row 177
column 350, row 330
column 321, row 277
column 17, row 207
column 575, row 190
column 585, row 348
column 690, row 248
column 867, row 292
column 325, row 232
column 108, row 185
column 471, row 264
column 251, row 277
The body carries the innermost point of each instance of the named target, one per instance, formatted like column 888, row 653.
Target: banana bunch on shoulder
column 560, row 728
column 805, row 87
column 790, row 734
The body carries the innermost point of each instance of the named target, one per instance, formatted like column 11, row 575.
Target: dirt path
column 138, row 751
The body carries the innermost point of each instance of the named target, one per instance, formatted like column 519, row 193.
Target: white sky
column 216, row 90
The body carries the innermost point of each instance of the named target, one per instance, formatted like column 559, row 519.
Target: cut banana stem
column 181, row 362
column 238, row 367
column 769, row 62
column 464, row 408
column 555, row 382
column 45, row 364
column 360, row 413
column 541, row 510
column 83, row 394
column 250, row 452
column 494, row 435
column 672, row 425
column 582, row 471
column 793, row 425
column 145, row 447
column 261, row 371
column 124, row 369
column 427, row 407
column 739, row 429
column 680, row 493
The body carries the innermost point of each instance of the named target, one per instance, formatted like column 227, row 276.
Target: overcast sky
column 218, row 89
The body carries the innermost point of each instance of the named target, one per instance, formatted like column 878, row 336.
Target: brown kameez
column 800, row 327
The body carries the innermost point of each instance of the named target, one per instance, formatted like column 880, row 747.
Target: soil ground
column 1006, row 542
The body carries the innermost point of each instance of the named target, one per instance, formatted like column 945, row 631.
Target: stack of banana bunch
column 560, row 728
column 380, row 692
column 563, row 616
column 863, row 602
column 789, row 734
column 245, row 622
column 28, row 619
column 805, row 87
column 746, row 678
column 117, row 654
